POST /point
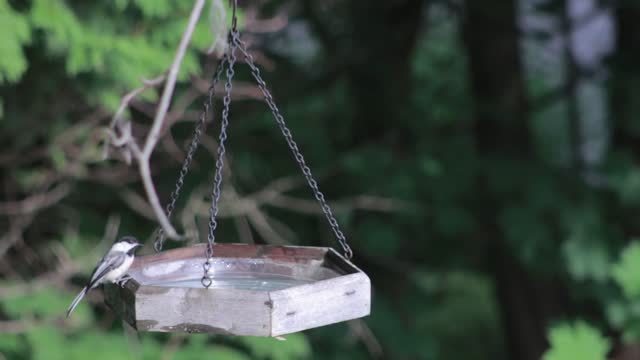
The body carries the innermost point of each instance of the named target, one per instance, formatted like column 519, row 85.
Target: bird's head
column 127, row 244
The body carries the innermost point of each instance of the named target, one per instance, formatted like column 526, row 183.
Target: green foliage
column 586, row 260
column 116, row 51
column 46, row 341
column 16, row 34
column 106, row 49
column 13, row 346
column 380, row 237
column 219, row 352
column 439, row 71
column 625, row 179
column 152, row 8
column 626, row 272
column 525, row 229
column 577, row 341
column 46, row 302
column 586, row 256
column 295, row 346
column 622, row 312
column 446, row 308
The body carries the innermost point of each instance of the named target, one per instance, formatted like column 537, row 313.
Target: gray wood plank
column 322, row 303
column 221, row 311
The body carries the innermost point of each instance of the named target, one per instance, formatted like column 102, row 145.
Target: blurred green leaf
column 296, row 346
column 626, row 272
column 215, row 352
column 617, row 314
column 16, row 34
column 577, row 341
column 626, row 181
column 11, row 345
column 49, row 343
column 46, row 302
column 586, row 260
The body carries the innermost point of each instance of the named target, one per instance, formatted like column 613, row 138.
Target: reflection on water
column 264, row 282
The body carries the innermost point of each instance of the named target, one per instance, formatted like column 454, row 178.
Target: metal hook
column 234, row 19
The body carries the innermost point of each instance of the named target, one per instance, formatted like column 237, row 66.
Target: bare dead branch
column 117, row 119
column 264, row 228
column 35, row 202
column 242, row 90
column 17, row 227
column 244, row 230
column 274, row 24
column 285, row 231
column 124, row 103
column 362, row 202
column 17, row 326
column 143, row 156
column 67, row 266
column 137, row 203
column 172, row 76
column 250, row 207
column 361, row 330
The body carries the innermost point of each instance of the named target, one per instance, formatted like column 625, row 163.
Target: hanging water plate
column 257, row 290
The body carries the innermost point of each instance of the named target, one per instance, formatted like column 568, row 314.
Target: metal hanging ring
column 206, row 281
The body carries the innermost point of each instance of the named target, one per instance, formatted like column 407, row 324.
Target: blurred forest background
column 481, row 156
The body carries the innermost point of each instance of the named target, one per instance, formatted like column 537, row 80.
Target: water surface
column 264, row 282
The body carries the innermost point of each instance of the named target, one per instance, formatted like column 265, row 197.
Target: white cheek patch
column 122, row 247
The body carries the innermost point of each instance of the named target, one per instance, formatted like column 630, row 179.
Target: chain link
column 217, row 179
column 230, row 59
column 195, row 141
column 293, row 146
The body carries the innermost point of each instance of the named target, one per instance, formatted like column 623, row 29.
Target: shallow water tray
column 257, row 290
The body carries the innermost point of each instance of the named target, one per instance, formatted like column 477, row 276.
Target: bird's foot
column 123, row 280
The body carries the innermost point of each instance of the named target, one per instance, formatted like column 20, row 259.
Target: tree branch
column 143, row 156
column 36, row 202
column 116, row 121
column 172, row 76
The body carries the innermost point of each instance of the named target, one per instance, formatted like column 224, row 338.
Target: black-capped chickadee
column 113, row 267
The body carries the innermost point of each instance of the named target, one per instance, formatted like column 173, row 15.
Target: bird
column 111, row 268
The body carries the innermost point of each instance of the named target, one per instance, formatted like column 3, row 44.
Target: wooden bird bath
column 257, row 290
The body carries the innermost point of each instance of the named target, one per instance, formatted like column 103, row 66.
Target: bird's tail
column 77, row 300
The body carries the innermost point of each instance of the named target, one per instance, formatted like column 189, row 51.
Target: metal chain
column 195, row 141
column 306, row 171
column 217, row 179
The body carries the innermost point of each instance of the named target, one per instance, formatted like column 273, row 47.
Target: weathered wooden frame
column 339, row 291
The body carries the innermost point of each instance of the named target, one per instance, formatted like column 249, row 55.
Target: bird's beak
column 139, row 245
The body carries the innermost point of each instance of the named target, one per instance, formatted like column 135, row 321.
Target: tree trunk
column 625, row 83
column 502, row 132
column 571, row 89
column 380, row 65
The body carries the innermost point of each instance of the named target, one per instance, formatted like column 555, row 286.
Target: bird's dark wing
column 110, row 261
